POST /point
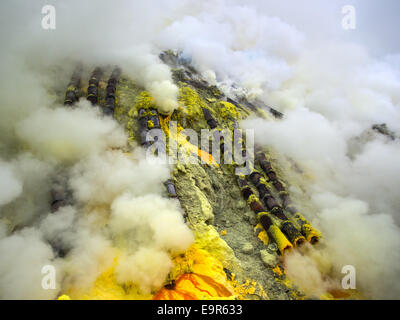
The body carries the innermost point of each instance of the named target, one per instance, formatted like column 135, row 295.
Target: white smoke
column 148, row 70
column 161, row 217
column 66, row 137
column 331, row 101
column 10, row 186
column 25, row 254
column 148, row 267
column 238, row 44
column 102, row 178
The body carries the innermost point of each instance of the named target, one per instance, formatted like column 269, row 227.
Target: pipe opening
column 286, row 249
column 299, row 242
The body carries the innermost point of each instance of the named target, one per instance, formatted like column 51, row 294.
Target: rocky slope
column 234, row 255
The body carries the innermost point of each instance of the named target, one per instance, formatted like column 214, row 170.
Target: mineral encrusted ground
column 223, row 222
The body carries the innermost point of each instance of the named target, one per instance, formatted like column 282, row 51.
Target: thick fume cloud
column 367, row 241
column 331, row 103
column 21, row 270
column 154, row 75
column 34, row 176
column 103, row 177
column 10, row 186
column 308, row 269
column 163, row 217
column 239, row 44
column 117, row 34
column 67, row 136
column 148, row 267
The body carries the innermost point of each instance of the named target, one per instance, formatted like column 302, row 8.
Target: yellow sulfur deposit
column 191, row 286
column 197, row 275
column 193, row 103
column 145, row 101
column 106, row 287
column 311, row 234
column 278, row 271
column 262, row 235
column 228, row 110
column 279, row 238
column 150, row 124
column 182, row 141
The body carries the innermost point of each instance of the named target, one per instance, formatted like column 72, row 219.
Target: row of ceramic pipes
column 72, row 96
column 279, row 227
column 148, row 120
